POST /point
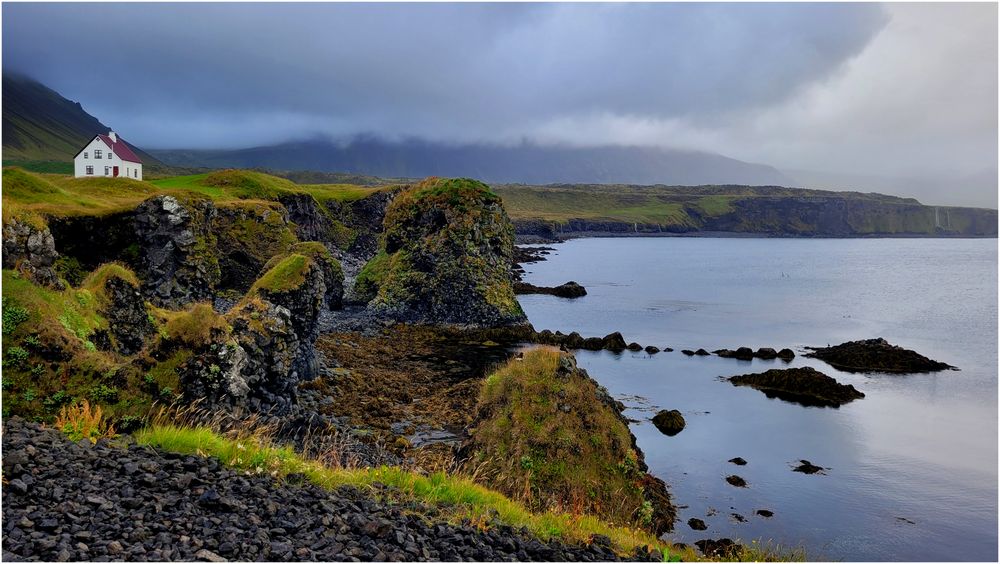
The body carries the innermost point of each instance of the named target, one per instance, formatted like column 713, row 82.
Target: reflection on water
column 912, row 467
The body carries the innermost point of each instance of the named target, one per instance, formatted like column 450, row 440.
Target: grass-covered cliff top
column 653, row 204
column 57, row 195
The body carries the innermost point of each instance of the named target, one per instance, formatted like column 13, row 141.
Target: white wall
column 80, row 164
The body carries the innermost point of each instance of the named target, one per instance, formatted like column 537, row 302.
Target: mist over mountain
column 527, row 162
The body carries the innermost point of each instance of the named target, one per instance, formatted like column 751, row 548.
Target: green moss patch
column 287, row 274
column 546, row 438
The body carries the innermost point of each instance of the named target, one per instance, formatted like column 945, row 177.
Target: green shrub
column 15, row 357
column 103, row 393
column 69, row 269
column 13, row 315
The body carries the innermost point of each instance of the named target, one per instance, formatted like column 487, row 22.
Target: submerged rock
column 876, row 355
column 807, row 467
column 652, row 350
column 634, row 347
column 735, row 480
column 766, row 513
column 669, row 422
column 805, row 386
column 738, row 461
column 702, row 352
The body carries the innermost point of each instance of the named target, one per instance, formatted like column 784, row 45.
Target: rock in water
column 876, row 355
column 722, row 548
column 568, row 290
column 697, row 524
column 805, row 386
column 669, row 422
column 807, row 467
column 738, row 461
column 737, row 481
column 445, row 257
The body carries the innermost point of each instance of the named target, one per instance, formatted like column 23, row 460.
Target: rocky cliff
column 445, row 257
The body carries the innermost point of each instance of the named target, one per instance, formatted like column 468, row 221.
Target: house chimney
column 113, row 136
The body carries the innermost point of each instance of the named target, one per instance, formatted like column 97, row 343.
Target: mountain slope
column 528, row 163
column 41, row 125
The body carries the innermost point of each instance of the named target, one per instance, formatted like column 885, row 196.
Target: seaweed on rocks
column 876, row 355
column 805, row 386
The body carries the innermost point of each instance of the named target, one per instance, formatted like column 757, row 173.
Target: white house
column 107, row 155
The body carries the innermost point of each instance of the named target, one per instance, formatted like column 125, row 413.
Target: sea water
column 911, row 468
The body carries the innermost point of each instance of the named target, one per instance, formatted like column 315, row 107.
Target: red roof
column 121, row 149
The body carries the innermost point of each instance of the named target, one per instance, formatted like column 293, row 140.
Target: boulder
column 734, row 480
column 786, row 355
column 701, row 352
column 614, row 342
column 634, row 347
column 652, row 350
column 766, row 353
column 669, row 422
column 876, row 355
column 128, row 320
column 697, row 524
column 807, row 467
column 593, row 343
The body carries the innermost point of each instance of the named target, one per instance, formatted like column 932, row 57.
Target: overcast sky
column 868, row 90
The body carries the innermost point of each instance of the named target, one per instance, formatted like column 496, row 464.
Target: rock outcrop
column 876, row 355
column 247, row 235
column 178, row 249
column 28, row 246
column 547, row 433
column 445, row 257
column 270, row 347
column 805, row 386
column 128, row 321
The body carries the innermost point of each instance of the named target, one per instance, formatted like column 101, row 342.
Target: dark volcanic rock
column 614, row 342
column 766, row 513
column 178, row 249
column 445, row 257
column 128, row 321
column 738, row 461
column 84, row 506
column 634, row 347
column 31, row 249
column 568, row 290
column 687, row 352
column 702, row 352
column 786, row 354
column 652, row 350
column 669, row 422
column 766, row 353
column 721, row 548
column 735, row 480
column 742, row 353
column 805, row 386
column 697, row 524
column 875, row 355
column 807, row 467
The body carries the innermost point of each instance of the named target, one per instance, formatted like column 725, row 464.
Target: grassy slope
column 60, row 195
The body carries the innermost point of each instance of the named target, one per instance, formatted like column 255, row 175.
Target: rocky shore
column 76, row 501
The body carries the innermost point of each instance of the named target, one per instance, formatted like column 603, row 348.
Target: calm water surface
column 919, row 448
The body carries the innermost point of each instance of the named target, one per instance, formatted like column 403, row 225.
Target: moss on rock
column 445, row 257
column 549, row 435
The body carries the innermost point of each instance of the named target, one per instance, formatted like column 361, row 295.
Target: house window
column 90, row 171
column 105, row 171
column 97, row 154
column 85, row 155
column 109, row 155
column 135, row 173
